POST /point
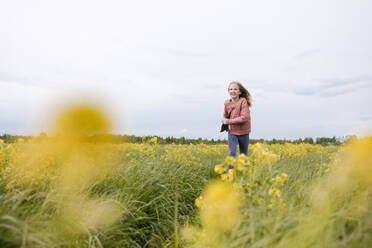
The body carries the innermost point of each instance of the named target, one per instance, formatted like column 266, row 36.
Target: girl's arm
column 225, row 112
column 244, row 115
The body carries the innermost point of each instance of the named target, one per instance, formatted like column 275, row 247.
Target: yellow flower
column 360, row 159
column 274, row 192
column 224, row 177
column 239, row 162
column 240, row 165
column 242, row 156
column 231, row 175
column 218, row 169
column 230, row 160
column 198, row 201
column 284, row 176
column 221, row 205
column 82, row 119
column 154, row 140
column 279, row 181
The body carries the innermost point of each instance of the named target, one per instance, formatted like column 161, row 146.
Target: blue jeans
column 233, row 140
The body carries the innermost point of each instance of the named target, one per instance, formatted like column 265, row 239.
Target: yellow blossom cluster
column 219, row 207
column 289, row 150
column 279, row 180
column 191, row 155
column 359, row 158
column 262, row 156
column 274, row 192
column 247, row 175
column 65, row 168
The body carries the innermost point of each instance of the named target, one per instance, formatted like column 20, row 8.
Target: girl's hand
column 224, row 120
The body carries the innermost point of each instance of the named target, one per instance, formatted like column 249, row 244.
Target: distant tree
column 309, row 140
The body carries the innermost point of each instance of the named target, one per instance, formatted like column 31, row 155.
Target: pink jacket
column 240, row 117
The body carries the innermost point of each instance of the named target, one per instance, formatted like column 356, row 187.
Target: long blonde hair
column 243, row 92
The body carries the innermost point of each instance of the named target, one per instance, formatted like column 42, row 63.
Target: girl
column 237, row 115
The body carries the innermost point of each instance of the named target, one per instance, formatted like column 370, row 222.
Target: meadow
column 63, row 192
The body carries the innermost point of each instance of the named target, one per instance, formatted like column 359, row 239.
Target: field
column 54, row 194
column 63, row 192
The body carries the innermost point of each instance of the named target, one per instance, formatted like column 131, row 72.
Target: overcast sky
column 163, row 67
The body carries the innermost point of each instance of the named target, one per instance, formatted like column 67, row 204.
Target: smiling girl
column 237, row 115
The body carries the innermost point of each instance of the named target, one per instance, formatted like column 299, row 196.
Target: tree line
column 118, row 138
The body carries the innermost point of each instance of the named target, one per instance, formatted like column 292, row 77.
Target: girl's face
column 234, row 91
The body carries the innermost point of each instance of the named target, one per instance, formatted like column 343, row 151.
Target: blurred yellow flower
column 284, row 176
column 274, row 192
column 224, row 177
column 278, row 181
column 82, row 119
column 231, row 175
column 360, row 159
column 242, row 156
column 220, row 211
column 198, row 201
column 219, row 169
column 239, row 162
column 154, row 140
column 230, row 160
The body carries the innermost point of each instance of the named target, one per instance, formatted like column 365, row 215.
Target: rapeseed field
column 61, row 191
